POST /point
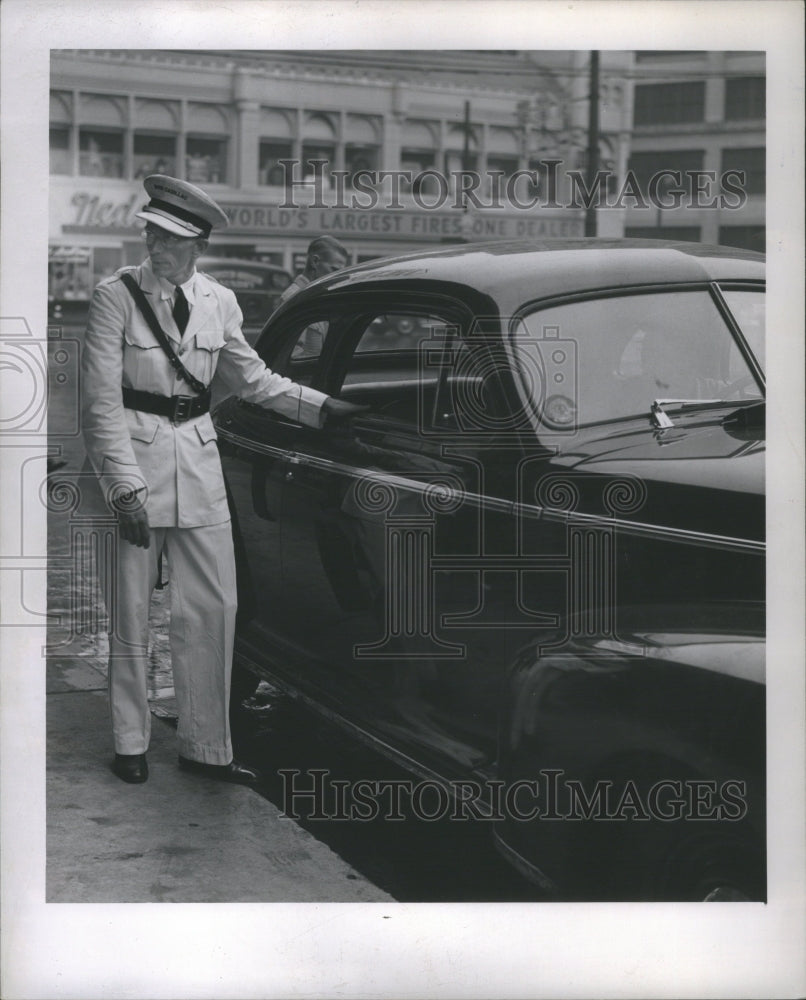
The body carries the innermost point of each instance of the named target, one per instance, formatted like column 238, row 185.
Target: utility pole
column 593, row 141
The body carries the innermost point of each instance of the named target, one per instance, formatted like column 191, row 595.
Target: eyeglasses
column 154, row 236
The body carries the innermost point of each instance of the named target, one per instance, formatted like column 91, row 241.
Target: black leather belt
column 178, row 408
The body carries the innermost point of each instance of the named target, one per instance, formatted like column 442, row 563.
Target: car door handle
column 291, row 459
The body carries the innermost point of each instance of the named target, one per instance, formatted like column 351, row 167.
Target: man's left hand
column 337, row 410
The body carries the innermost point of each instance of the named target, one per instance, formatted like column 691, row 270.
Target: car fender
column 644, row 740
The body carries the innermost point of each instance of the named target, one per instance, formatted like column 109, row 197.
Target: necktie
column 181, row 310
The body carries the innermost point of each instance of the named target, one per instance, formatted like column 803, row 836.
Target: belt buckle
column 182, row 405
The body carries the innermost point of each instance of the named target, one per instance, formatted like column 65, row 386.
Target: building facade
column 368, row 147
column 704, row 112
column 379, row 149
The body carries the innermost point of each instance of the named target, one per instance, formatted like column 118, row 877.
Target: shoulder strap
column 144, row 306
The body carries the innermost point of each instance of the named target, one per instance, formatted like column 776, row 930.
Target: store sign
column 93, row 211
column 107, row 210
column 398, row 224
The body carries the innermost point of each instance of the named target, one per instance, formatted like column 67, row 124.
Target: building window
column 745, row 97
column 100, row 153
column 745, row 237
column 685, row 234
column 318, row 151
column 546, row 187
column 271, row 171
column 752, row 162
column 206, row 160
column 61, row 158
column 669, row 103
column 646, row 165
column 416, row 161
column 456, row 161
column 508, row 165
column 154, row 154
column 360, row 157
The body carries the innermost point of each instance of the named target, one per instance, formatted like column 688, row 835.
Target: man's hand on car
column 338, row 410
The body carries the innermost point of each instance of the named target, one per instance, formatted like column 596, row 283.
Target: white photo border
column 403, row 950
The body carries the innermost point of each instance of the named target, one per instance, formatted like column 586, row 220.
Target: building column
column 247, row 159
column 74, row 137
column 128, row 140
column 391, row 142
column 296, row 148
column 341, row 143
column 181, row 144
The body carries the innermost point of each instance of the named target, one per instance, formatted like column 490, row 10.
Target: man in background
column 325, row 255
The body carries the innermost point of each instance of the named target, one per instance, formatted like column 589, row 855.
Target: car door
column 384, row 597
column 254, row 443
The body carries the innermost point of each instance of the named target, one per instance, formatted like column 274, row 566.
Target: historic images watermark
column 536, row 188
column 550, row 795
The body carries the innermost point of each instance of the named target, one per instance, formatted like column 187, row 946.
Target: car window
column 397, row 364
column 299, row 356
column 610, row 358
column 747, row 306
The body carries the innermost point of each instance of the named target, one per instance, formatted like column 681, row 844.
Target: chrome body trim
column 511, row 507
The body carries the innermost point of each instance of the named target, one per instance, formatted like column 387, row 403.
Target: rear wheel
column 711, row 867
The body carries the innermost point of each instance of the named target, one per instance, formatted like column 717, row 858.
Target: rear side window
column 610, row 358
column 397, row 364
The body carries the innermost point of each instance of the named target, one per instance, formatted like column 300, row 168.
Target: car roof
column 518, row 270
column 205, row 262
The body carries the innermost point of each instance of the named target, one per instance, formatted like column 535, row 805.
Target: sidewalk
column 178, row 838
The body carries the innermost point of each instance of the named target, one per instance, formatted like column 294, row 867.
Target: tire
column 712, row 867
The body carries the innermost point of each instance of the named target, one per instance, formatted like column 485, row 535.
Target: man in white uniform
column 151, row 441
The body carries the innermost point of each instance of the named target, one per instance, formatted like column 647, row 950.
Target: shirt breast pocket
column 207, row 343
column 140, row 363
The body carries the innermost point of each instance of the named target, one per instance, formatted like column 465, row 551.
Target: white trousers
column 203, row 606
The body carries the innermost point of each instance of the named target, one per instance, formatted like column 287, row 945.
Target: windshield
column 747, row 306
column 610, row 358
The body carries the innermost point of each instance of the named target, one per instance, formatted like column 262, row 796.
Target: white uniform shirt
column 177, row 463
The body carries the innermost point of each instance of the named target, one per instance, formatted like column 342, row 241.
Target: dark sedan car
column 532, row 571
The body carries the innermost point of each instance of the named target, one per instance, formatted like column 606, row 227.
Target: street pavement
column 179, row 837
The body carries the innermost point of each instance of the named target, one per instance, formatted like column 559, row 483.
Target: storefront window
column 61, row 159
column 69, row 274
column 100, row 153
column 154, row 154
column 206, row 161
column 272, row 172
column 105, row 261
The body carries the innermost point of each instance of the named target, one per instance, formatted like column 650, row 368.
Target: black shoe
column 131, row 767
column 233, row 772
